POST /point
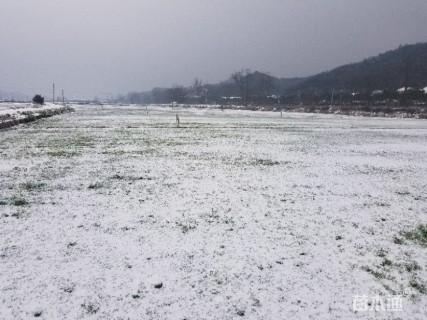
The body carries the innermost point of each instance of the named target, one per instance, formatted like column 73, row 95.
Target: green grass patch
column 31, row 186
column 398, row 240
column 19, row 202
column 412, row 266
column 130, row 178
column 19, row 214
column 114, row 152
column 146, row 152
column 417, row 235
column 62, row 153
column 375, row 273
column 68, row 140
column 381, row 253
column 118, row 177
column 95, row 185
column 186, row 227
column 82, row 141
column 419, row 286
column 386, row 263
column 265, row 162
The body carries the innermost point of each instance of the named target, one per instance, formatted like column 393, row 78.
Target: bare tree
column 266, row 83
column 243, row 79
column 199, row 91
column 407, row 66
column 197, row 86
column 177, row 93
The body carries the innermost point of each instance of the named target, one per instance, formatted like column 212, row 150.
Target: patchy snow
column 110, row 213
column 16, row 109
column 403, row 89
column 12, row 114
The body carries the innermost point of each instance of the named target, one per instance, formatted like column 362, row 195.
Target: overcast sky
column 96, row 47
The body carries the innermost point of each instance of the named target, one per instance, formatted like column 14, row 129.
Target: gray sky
column 94, row 47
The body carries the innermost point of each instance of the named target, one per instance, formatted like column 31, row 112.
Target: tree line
column 373, row 81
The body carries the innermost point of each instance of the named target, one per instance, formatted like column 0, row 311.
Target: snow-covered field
column 110, row 213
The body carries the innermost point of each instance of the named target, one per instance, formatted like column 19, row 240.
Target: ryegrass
column 30, row 186
column 130, row 178
column 417, row 235
column 412, row 266
column 68, row 141
column 118, row 177
column 418, row 285
column 95, row 185
column 265, row 162
column 186, row 227
column 90, row 308
column 375, row 273
column 398, row 240
column 386, row 263
column 19, row 202
column 19, row 214
column 82, row 141
column 114, row 152
column 62, row 153
column 381, row 253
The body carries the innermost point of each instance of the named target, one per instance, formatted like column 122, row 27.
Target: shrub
column 38, row 99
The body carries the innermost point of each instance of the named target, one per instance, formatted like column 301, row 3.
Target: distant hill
column 385, row 73
column 403, row 67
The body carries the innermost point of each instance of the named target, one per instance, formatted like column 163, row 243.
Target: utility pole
column 63, row 99
column 53, row 97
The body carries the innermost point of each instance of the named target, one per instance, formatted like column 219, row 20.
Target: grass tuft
column 62, row 153
column 419, row 286
column 398, row 240
column 418, row 235
column 265, row 162
column 376, row 274
column 412, row 266
column 30, row 186
column 95, row 185
column 386, row 263
column 19, row 202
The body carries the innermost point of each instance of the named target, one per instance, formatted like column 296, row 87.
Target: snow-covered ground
column 110, row 213
column 18, row 110
column 12, row 114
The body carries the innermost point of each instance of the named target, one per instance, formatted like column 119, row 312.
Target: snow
column 235, row 212
column 15, row 109
column 402, row 90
